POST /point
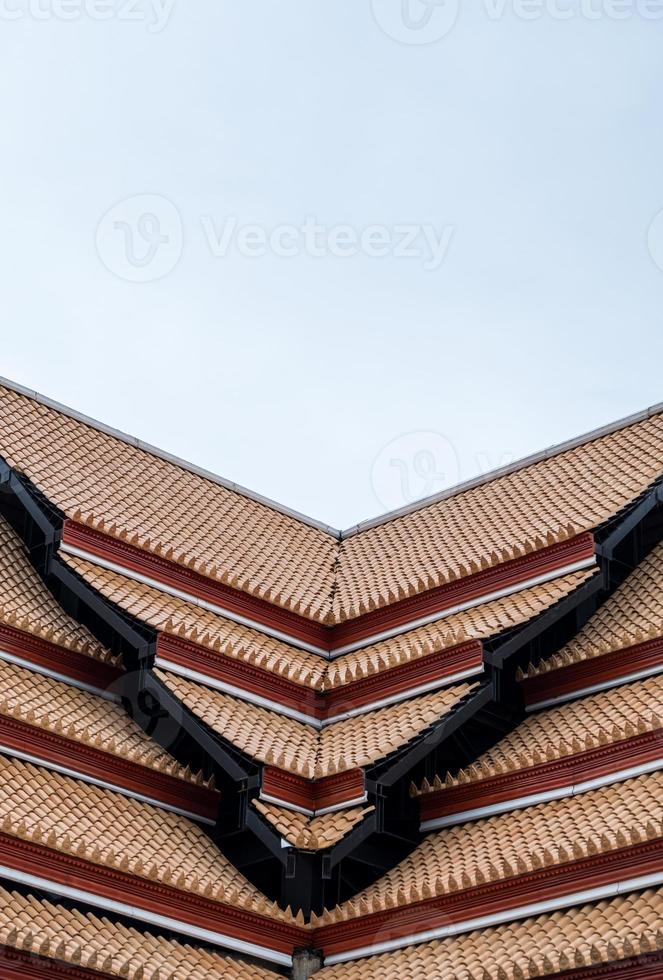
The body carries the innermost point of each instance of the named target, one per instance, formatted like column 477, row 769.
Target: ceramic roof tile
column 478, row 623
column 80, row 716
column 621, row 928
column 299, row 748
column 577, row 726
column 517, row 842
column 545, row 502
column 160, row 507
column 312, row 834
column 632, row 614
column 27, row 605
column 177, row 617
column 110, row 948
column 109, row 829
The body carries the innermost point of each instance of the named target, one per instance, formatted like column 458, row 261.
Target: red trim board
column 340, row 789
column 60, row 660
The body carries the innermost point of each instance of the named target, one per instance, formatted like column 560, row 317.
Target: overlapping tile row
column 133, row 857
column 508, row 862
column 312, row 834
column 133, row 496
column 623, row 638
column 626, row 930
column 137, row 497
column 61, row 726
column 556, row 751
column 49, row 934
column 300, row 749
column 243, row 660
column 34, row 625
column 549, row 501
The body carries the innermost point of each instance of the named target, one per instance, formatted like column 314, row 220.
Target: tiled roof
column 177, row 617
column 296, row 747
column 577, row 726
column 499, row 847
column 57, row 707
column 109, row 948
column 27, row 605
column 103, row 827
column 625, row 927
column 138, row 497
column 312, row 834
column 632, row 615
column 478, row 623
column 133, row 495
column 547, row 502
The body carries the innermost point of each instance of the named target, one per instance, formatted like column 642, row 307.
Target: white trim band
column 436, row 823
column 134, row 911
column 637, row 675
column 498, row 918
column 285, row 805
column 113, row 787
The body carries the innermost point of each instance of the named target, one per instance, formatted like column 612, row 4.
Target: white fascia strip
column 437, row 823
column 310, row 648
column 285, row 805
column 45, row 672
column 192, row 599
column 134, row 911
column 84, row 778
column 596, row 688
column 577, row 566
column 237, row 692
column 498, row 918
column 405, row 695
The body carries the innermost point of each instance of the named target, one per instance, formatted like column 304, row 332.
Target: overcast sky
column 340, row 252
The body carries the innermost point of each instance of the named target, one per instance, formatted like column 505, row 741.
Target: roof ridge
column 340, row 534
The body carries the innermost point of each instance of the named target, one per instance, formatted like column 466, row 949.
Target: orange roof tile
column 83, row 717
column 632, row 615
column 313, row 834
column 517, row 842
column 27, row 605
column 627, row 926
column 103, row 827
column 295, row 747
column 577, row 726
column 109, row 948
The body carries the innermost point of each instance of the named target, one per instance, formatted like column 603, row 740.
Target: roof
column 109, row 948
column 537, row 947
column 312, row 834
column 155, row 504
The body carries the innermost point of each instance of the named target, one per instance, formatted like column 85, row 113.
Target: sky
column 344, row 253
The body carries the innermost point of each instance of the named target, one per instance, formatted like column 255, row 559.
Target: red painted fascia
column 647, row 966
column 310, row 794
column 150, row 896
column 567, row 771
column 69, row 663
column 18, row 964
column 595, row 670
column 320, row 704
column 395, row 616
column 89, row 761
column 493, row 897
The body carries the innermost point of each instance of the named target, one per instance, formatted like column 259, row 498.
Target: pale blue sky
column 537, row 144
